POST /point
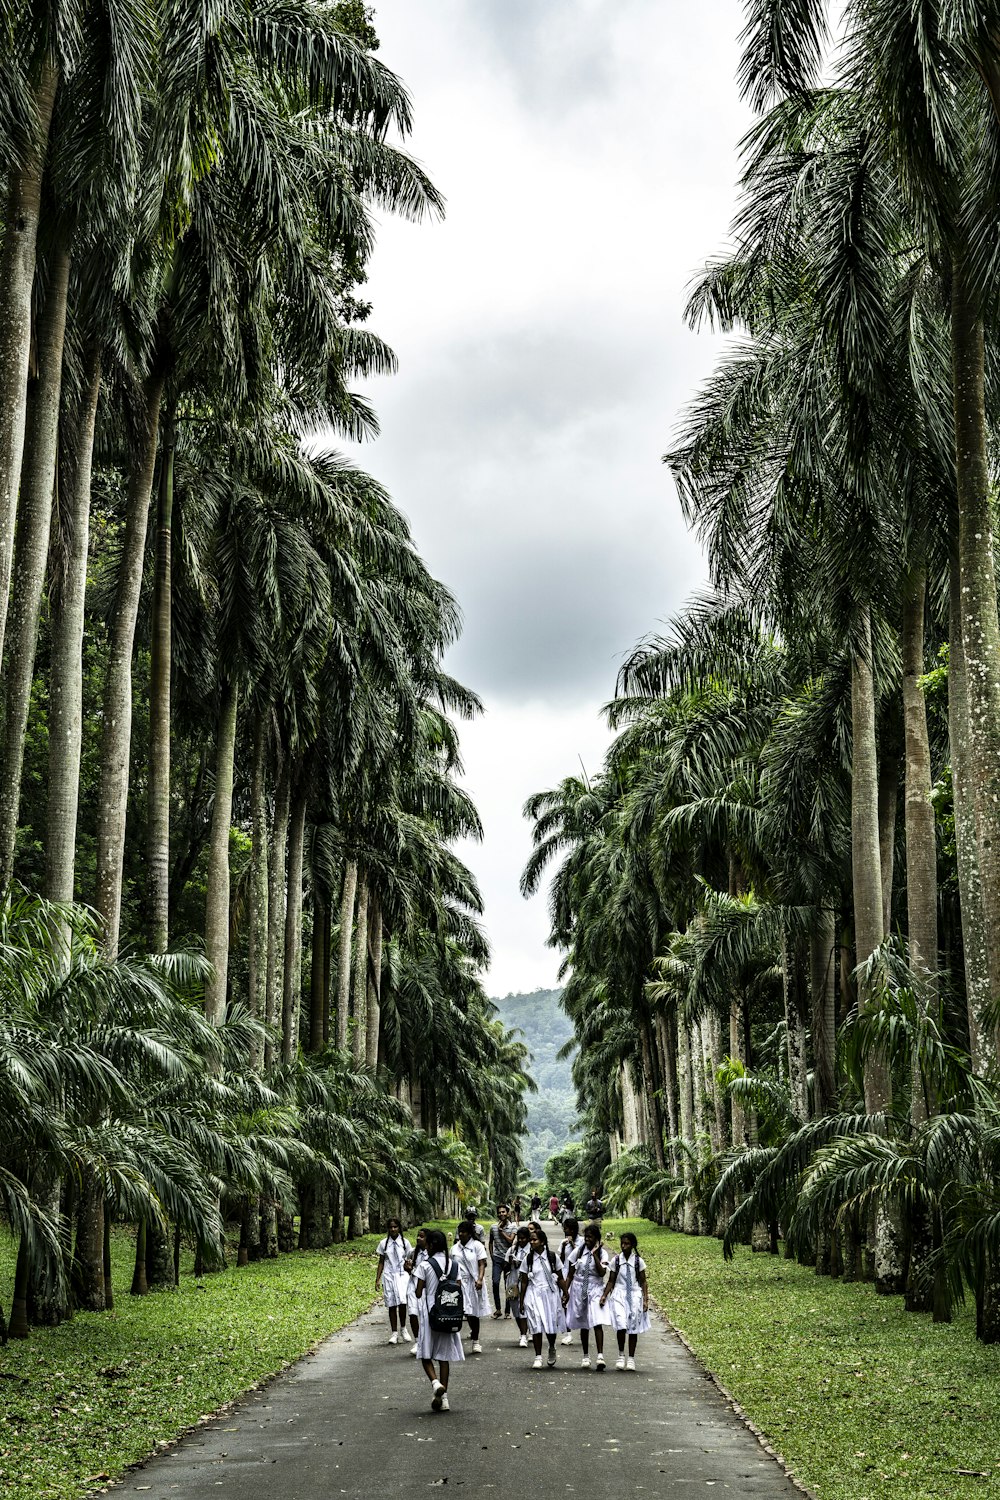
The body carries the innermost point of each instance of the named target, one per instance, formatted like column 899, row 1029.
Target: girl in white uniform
column 515, row 1257
column 541, row 1296
column 413, row 1264
column 628, row 1292
column 392, row 1252
column 471, row 1259
column 584, row 1284
column 572, row 1241
column 432, row 1344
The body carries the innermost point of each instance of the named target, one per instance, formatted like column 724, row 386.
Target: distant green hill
column 552, row 1111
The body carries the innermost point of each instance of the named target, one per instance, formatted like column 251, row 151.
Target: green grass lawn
column 80, row 1403
column 863, row 1400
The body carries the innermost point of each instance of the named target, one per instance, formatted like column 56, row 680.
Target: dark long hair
column 541, row 1235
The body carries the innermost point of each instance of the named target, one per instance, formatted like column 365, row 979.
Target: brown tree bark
column 217, row 913
column 292, row 986
column 158, row 835
column 347, row 902
column 276, row 906
column 866, row 861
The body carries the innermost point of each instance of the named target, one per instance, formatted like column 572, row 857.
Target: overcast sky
column 587, row 152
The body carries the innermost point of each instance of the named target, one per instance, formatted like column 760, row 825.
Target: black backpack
column 447, row 1311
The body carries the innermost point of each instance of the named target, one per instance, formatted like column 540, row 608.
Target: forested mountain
column 552, row 1111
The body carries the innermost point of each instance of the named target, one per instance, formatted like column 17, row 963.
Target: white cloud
column 586, row 148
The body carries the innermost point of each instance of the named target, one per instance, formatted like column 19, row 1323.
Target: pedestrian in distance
column 536, row 1205
column 554, row 1207
column 412, row 1265
column 470, row 1218
column 627, row 1292
column 572, row 1241
column 594, row 1207
column 437, row 1344
column 583, row 1285
column 470, row 1257
column 499, row 1241
column 392, row 1276
column 541, row 1296
column 516, row 1209
column 515, row 1258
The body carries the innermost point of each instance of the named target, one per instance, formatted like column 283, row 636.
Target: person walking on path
column 393, row 1251
column 554, row 1208
column 541, row 1296
column 478, row 1232
column 413, row 1264
column 434, row 1344
column 515, row 1259
column 628, row 1292
column 536, row 1205
column 470, row 1257
column 516, row 1208
column 594, row 1208
column 572, row 1240
column 501, row 1237
column 583, row 1283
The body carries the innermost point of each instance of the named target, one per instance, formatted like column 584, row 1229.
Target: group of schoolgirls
column 581, row 1288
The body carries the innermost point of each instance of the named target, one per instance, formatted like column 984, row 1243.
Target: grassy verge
column 80, row 1403
column 863, row 1400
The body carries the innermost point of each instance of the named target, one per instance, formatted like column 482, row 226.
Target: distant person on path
column 541, row 1296
column 413, row 1264
column 478, row 1232
column 554, row 1208
column 572, row 1241
column 515, row 1259
column 536, row 1205
column 568, row 1205
column 432, row 1344
column 501, row 1237
column 628, row 1293
column 393, row 1277
column 470, row 1256
column 594, row 1207
column 517, row 1209
column 583, row 1286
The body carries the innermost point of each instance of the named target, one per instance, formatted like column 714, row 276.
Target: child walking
column 583, row 1285
column 432, row 1344
column 628, row 1292
column 393, row 1251
column 541, row 1296
column 572, row 1241
column 412, row 1265
column 515, row 1259
column 470, row 1257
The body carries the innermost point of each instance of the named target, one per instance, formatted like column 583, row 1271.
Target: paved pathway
column 354, row 1419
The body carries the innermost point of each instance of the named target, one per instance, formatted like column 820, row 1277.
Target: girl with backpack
column 572, row 1241
column 392, row 1252
column 436, row 1340
column 412, row 1264
column 470, row 1257
column 584, row 1283
column 628, row 1292
column 541, row 1296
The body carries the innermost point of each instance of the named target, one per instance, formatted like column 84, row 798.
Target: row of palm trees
column 226, row 727
column 780, row 901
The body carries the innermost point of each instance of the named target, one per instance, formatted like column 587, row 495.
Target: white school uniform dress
column 469, row 1258
column 584, row 1308
column 566, row 1252
column 512, row 1274
column 415, row 1307
column 431, row 1343
column 395, row 1281
column 543, row 1300
column 625, row 1301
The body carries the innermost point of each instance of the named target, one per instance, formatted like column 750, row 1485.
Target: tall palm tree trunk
column 68, row 594
column 977, row 979
column 866, row 859
column 257, row 936
column 317, row 972
column 291, row 993
column 822, row 989
column 217, row 916
column 158, row 834
column 116, row 737
column 21, row 214
column 980, row 625
column 274, row 985
column 360, row 984
column 373, row 1018
column 888, row 799
column 38, row 479
column 347, row 900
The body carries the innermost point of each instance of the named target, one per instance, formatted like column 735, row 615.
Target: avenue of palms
column 239, row 953
column 778, row 900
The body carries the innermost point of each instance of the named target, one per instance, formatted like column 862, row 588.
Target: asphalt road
column 354, row 1418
